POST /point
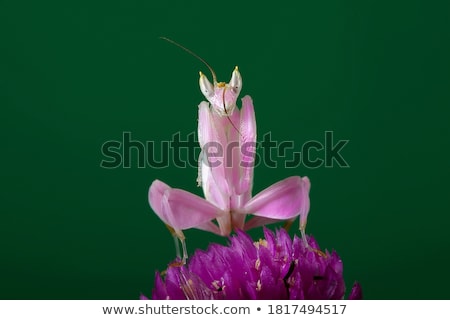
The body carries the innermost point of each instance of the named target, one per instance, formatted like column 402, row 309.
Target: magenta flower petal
column 143, row 297
column 276, row 267
column 356, row 293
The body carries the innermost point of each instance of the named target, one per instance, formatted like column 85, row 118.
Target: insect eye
column 205, row 86
column 236, row 81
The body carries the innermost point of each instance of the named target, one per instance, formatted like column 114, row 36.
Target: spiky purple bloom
column 276, row 267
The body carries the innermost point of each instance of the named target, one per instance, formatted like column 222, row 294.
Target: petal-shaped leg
column 180, row 209
column 255, row 222
column 211, row 187
column 210, row 227
column 186, row 210
column 157, row 195
column 229, row 125
column 155, row 198
column 212, row 140
column 247, row 146
column 283, row 200
column 305, row 206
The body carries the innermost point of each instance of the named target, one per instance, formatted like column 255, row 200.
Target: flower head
column 276, row 267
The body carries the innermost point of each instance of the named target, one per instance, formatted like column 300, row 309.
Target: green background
column 74, row 74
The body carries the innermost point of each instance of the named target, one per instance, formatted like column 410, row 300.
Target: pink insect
column 227, row 177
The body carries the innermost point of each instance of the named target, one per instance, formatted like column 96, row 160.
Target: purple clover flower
column 273, row 268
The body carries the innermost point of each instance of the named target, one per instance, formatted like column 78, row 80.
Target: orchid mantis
column 227, row 177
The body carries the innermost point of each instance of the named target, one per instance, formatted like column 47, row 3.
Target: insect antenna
column 210, row 69
column 194, row 55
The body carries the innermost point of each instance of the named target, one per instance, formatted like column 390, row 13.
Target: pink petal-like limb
column 181, row 210
column 213, row 143
column 186, row 210
column 255, row 222
column 243, row 162
column 247, row 144
column 210, row 227
column 155, row 198
column 305, row 207
column 283, row 200
column 232, row 154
